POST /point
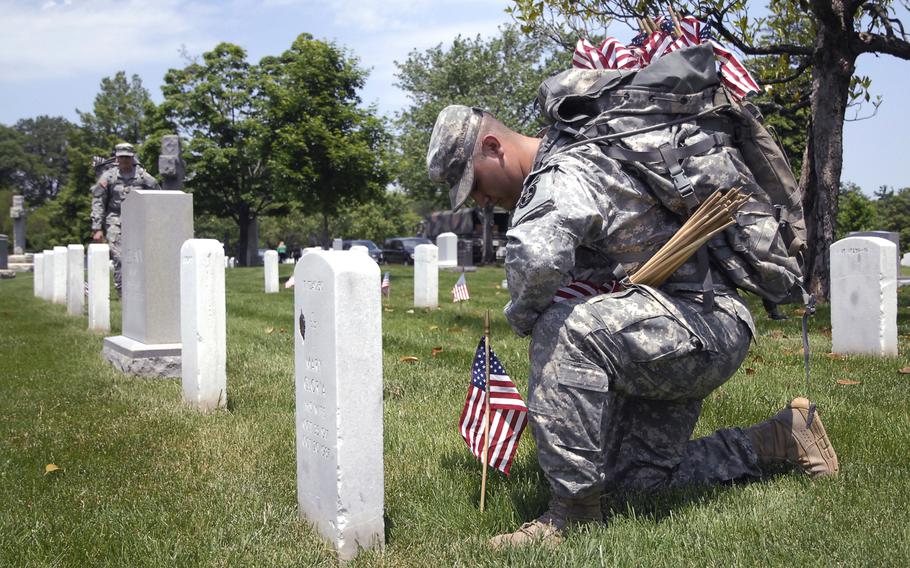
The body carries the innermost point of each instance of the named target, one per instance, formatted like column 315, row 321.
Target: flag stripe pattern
column 648, row 47
column 584, row 289
column 460, row 290
column 386, row 285
column 508, row 413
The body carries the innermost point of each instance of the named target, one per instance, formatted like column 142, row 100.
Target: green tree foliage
column 894, row 212
column 329, row 153
column 818, row 39
column 45, row 141
column 14, row 160
column 118, row 112
column 500, row 75
column 856, row 211
column 216, row 103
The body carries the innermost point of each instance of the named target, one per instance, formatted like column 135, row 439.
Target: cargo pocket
column 662, row 354
column 582, row 393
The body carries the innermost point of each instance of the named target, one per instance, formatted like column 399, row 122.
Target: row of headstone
column 230, row 261
column 60, row 278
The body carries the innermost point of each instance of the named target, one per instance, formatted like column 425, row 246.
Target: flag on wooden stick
column 386, row 286
column 460, row 290
column 508, row 413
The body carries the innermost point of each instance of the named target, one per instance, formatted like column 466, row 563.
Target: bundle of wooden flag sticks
column 711, row 217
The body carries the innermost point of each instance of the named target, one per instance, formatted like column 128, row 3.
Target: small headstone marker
column 905, row 260
column 426, row 276
column 337, row 244
column 203, row 324
column 270, row 269
column 338, row 368
column 448, row 250
column 864, row 296
column 58, row 290
column 75, row 279
column 99, row 287
column 4, row 253
column 155, row 224
column 48, row 287
column 892, row 236
column 38, row 283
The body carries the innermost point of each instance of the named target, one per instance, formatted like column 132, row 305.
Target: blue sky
column 54, row 53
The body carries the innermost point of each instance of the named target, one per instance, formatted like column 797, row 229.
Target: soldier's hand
column 98, row 236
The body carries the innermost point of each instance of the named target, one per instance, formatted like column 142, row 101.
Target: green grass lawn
column 148, row 481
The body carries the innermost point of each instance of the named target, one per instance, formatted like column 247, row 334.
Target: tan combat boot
column 786, row 438
column 549, row 528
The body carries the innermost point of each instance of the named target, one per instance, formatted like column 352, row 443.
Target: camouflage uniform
column 617, row 380
column 107, row 197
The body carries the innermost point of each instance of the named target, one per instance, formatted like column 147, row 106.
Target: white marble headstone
column 48, row 287
column 203, row 323
column 864, row 296
column 270, row 269
column 99, row 287
column 38, row 282
column 426, row 276
column 360, row 249
column 337, row 244
column 448, row 250
column 338, row 368
column 75, row 279
column 58, row 290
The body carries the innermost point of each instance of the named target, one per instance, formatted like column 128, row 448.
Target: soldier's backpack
column 674, row 126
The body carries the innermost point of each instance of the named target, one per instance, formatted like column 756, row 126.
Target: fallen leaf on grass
column 776, row 333
column 434, row 327
column 51, row 467
column 835, row 356
column 269, row 330
column 409, row 312
column 454, row 330
column 282, row 330
column 408, row 359
column 390, row 309
column 904, row 371
column 848, row 382
column 758, row 359
column 750, row 371
column 436, row 351
column 788, row 352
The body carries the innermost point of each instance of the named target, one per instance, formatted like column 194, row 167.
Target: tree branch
column 778, row 49
column 875, row 43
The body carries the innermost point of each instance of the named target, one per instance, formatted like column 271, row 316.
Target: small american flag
column 584, row 289
column 386, row 286
column 460, row 290
column 646, row 48
column 508, row 413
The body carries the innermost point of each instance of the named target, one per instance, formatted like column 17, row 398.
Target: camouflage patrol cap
column 449, row 157
column 124, row 149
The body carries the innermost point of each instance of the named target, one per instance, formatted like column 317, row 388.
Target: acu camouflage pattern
column 108, row 194
column 617, row 380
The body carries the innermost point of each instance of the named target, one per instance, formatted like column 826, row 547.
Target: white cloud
column 63, row 38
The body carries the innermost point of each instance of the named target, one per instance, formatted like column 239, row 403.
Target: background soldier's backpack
column 674, row 126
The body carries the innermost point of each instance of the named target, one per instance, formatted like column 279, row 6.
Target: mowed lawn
column 147, row 481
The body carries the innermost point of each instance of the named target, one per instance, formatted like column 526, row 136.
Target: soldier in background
column 108, row 194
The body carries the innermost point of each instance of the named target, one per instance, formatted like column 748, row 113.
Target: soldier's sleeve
column 99, row 202
column 150, row 181
column 555, row 215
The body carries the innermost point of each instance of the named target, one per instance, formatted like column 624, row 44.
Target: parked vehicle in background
column 372, row 248
column 401, row 249
column 467, row 224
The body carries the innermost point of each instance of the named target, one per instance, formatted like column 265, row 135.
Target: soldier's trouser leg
column 589, row 358
column 113, row 240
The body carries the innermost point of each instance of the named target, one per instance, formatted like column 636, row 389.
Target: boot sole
column 816, row 436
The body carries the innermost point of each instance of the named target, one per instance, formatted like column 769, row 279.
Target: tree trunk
column 488, row 253
column 243, row 221
column 833, row 66
column 325, row 231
